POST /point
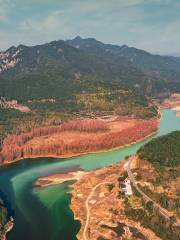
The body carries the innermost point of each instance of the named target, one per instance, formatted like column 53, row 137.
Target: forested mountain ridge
column 58, row 70
column 62, row 69
column 165, row 67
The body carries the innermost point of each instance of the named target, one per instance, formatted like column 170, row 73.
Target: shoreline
column 59, row 178
column 54, row 179
column 8, row 227
column 71, row 155
column 66, row 156
column 100, row 151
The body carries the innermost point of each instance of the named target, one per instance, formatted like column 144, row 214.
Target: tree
column 149, row 206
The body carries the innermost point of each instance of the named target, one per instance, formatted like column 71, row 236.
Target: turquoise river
column 45, row 214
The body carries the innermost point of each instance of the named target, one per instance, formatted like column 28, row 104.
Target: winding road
column 88, row 208
column 163, row 211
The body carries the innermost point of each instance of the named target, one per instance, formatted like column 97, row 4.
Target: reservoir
column 45, row 214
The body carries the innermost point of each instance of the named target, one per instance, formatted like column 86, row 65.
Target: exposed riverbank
column 59, row 178
column 77, row 175
column 172, row 102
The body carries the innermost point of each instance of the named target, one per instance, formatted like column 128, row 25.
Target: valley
column 71, row 115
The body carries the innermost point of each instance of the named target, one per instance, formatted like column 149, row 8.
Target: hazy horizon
column 150, row 25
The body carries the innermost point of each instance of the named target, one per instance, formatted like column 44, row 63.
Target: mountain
column 165, row 67
column 62, row 69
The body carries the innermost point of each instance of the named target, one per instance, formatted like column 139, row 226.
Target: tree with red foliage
column 13, row 146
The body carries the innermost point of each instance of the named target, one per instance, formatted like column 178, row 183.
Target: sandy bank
column 58, row 178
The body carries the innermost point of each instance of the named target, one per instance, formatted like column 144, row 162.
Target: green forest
column 164, row 150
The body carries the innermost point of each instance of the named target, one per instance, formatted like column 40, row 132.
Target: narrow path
column 163, row 211
column 88, row 208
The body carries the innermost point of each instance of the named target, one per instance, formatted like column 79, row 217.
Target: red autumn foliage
column 111, row 140
column 14, row 145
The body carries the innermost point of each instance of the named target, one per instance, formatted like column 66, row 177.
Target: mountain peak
column 79, row 42
column 77, row 38
column 11, row 49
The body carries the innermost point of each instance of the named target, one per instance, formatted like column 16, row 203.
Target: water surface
column 45, row 214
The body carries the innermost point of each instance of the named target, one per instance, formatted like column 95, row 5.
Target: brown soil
column 106, row 208
column 172, row 102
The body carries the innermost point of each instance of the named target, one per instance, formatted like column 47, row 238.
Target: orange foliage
column 14, row 145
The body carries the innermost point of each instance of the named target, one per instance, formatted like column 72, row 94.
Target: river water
column 44, row 214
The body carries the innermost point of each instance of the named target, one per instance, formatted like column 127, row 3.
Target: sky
column 152, row 25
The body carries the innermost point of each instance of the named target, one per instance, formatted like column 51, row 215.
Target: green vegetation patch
column 13, row 121
column 164, row 150
column 121, row 102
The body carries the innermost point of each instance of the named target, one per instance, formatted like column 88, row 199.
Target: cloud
column 81, row 16
column 148, row 24
column 50, row 22
column 4, row 10
column 47, row 28
column 159, row 39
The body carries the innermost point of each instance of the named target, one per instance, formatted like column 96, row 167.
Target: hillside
column 158, row 175
column 61, row 70
column 164, row 150
column 165, row 70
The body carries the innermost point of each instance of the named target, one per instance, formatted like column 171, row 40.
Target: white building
column 127, row 189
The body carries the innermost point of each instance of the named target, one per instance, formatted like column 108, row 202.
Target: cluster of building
column 13, row 104
column 126, row 187
column 8, row 104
